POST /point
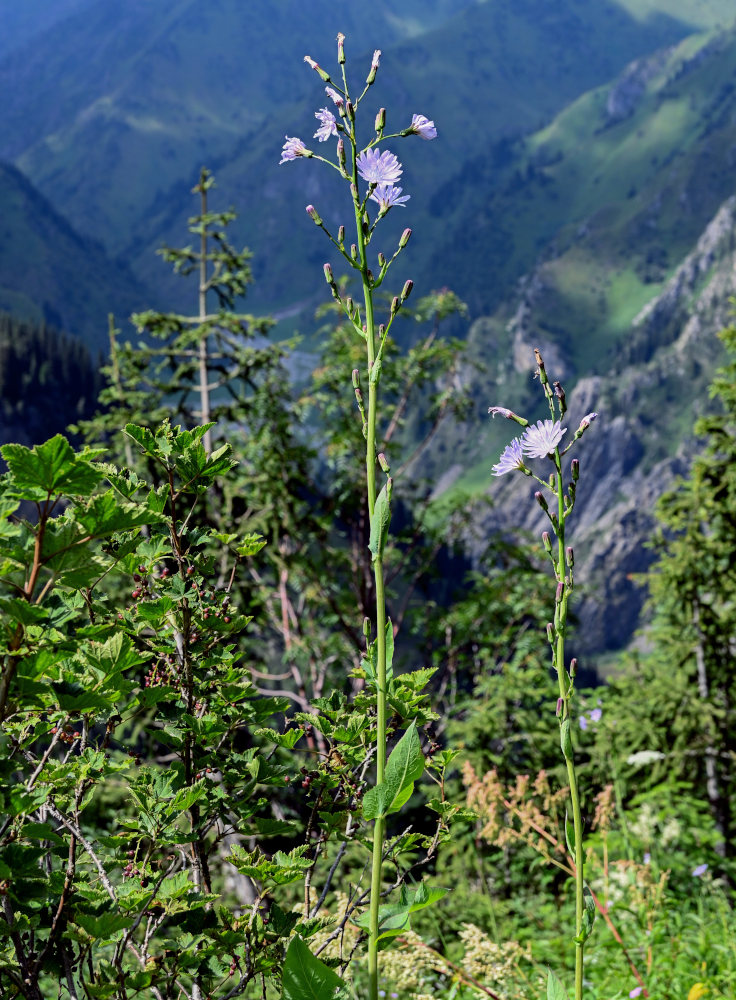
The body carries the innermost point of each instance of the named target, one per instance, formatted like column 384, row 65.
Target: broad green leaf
column 306, row 977
column 404, row 767
column 555, row 989
column 380, row 520
column 49, row 469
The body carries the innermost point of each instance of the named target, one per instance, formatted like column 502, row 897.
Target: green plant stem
column 379, row 829
column 569, row 761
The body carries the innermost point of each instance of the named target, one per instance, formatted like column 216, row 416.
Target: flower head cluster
column 328, row 125
column 540, row 439
column 388, row 196
column 379, row 168
column 293, row 147
column 423, row 127
column 512, row 458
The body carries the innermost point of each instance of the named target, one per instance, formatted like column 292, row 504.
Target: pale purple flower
column 700, row 871
column 596, row 714
column 510, row 459
column 388, row 196
column 493, row 410
column 327, row 124
column 376, row 57
column 587, row 421
column 379, row 168
column 334, row 96
column 541, row 438
column 293, row 147
column 583, row 720
column 423, row 127
column 647, row 858
column 637, row 991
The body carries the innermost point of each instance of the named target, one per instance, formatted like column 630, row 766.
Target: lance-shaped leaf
column 404, row 767
column 306, row 977
column 380, row 520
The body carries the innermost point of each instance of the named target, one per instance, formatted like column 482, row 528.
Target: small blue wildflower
column 423, row 127
column 510, row 459
column 596, row 714
column 327, row 127
column 388, row 196
column 540, row 439
column 379, row 168
column 637, row 991
column 293, row 147
column 700, row 871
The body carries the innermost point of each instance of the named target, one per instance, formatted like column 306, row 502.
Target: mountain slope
column 48, row 272
column 107, row 109
column 472, row 76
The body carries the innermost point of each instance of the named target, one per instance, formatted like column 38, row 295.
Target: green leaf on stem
column 589, row 915
column 306, row 977
column 380, row 520
column 555, row 989
column 566, row 739
column 404, row 767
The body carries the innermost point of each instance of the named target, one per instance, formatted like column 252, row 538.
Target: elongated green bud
column 546, row 542
column 381, row 120
column 356, row 378
column 539, row 497
column 406, row 290
column 573, row 668
column 350, row 305
column 341, row 235
column 341, row 154
column 381, row 260
column 366, row 627
column 314, row 215
column 381, row 331
column 575, row 469
column 318, row 69
column 383, row 462
column 374, row 66
column 328, row 274
column 341, row 48
column 405, row 237
column 570, row 556
column 395, row 305
column 354, row 192
column 550, row 633
column 354, row 251
column 559, row 593
column 350, row 108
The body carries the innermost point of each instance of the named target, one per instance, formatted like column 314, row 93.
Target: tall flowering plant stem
column 557, row 499
column 371, row 173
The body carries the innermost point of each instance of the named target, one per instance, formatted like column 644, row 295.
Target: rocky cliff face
column 642, row 440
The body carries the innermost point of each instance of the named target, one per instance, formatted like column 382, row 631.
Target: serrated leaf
column 50, row 468
column 555, row 989
column 305, row 977
column 404, row 767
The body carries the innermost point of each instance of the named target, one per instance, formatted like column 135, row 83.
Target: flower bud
column 382, row 461
column 405, row 236
column 341, row 153
column 313, row 214
column 381, row 120
column 366, row 627
column 586, row 421
column 353, row 251
column 395, row 305
column 350, row 108
column 374, row 66
column 349, row 305
column 356, row 378
column 539, row 497
column 341, row 49
column 560, row 703
column 381, row 331
column 328, row 274
column 569, row 556
column 550, row 633
column 341, row 235
column 575, row 469
column 559, row 592
column 406, row 290
column 369, row 275
column 318, row 69
column 573, row 668
column 381, row 260
column 354, row 192
column 546, row 542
